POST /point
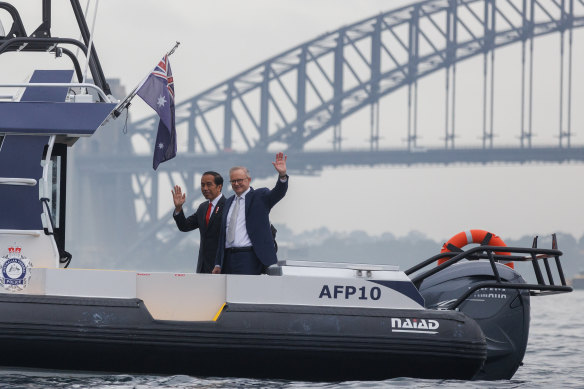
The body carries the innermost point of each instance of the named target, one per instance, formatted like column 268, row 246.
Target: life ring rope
column 482, row 237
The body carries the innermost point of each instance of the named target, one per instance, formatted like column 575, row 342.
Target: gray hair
column 234, row 168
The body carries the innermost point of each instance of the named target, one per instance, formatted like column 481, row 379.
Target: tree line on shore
column 356, row 247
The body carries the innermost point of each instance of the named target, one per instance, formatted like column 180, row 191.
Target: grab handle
column 18, row 181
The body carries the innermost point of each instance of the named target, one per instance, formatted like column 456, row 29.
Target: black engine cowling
column 502, row 314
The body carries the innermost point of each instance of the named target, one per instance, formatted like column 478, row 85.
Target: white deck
column 199, row 297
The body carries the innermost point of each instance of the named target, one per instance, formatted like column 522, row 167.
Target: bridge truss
column 295, row 96
column 289, row 100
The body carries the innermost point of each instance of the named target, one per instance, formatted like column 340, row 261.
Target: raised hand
column 178, row 197
column 280, row 164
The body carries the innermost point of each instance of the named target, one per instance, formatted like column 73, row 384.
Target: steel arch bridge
column 293, row 98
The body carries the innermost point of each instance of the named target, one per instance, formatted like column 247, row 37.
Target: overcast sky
column 221, row 38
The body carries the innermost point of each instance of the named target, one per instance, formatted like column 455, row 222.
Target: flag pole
column 171, row 52
column 124, row 104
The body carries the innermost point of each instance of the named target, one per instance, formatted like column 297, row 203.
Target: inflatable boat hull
column 260, row 341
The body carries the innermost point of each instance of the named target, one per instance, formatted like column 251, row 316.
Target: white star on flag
column 161, row 146
column 161, row 101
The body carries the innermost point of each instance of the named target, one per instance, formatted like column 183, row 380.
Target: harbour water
column 554, row 359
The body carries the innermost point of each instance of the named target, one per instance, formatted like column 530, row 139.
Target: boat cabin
column 39, row 120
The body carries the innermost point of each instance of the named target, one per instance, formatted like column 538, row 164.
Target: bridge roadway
column 311, row 162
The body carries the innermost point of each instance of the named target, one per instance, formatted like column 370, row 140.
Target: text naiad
column 414, row 325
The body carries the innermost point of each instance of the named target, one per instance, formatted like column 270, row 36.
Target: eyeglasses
column 238, row 181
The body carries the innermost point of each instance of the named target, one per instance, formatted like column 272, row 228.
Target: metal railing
column 546, row 284
column 100, row 92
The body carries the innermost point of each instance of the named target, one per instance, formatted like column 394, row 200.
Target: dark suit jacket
column 209, row 234
column 258, row 204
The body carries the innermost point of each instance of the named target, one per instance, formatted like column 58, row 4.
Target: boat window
column 55, row 173
column 57, row 177
column 54, row 178
column 1, row 141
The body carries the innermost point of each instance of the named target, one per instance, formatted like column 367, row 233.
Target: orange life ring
column 474, row 236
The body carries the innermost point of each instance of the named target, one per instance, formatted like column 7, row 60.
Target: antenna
column 90, row 41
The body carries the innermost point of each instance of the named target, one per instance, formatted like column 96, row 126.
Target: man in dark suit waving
column 207, row 218
column 246, row 245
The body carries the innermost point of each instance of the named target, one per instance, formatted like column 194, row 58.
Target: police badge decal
column 14, row 270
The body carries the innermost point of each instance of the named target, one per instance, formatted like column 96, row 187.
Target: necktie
column 232, row 221
column 208, row 216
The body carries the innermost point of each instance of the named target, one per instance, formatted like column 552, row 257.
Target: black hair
column 216, row 176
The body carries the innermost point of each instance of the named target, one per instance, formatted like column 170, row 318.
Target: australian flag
column 158, row 92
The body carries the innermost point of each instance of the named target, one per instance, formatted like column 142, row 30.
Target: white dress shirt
column 214, row 203
column 241, row 237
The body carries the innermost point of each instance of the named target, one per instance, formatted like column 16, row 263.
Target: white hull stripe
column 468, row 237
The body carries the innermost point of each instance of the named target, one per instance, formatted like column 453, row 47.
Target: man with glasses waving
column 246, row 244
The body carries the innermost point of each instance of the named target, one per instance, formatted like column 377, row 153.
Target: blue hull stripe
column 404, row 287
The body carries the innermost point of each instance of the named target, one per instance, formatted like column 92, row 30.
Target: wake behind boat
column 467, row 318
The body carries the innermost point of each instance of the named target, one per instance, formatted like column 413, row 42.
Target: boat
column 578, row 280
column 467, row 318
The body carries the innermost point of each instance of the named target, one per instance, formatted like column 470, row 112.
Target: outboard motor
column 503, row 314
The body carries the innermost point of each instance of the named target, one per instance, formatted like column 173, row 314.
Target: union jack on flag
column 163, row 71
column 158, row 92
